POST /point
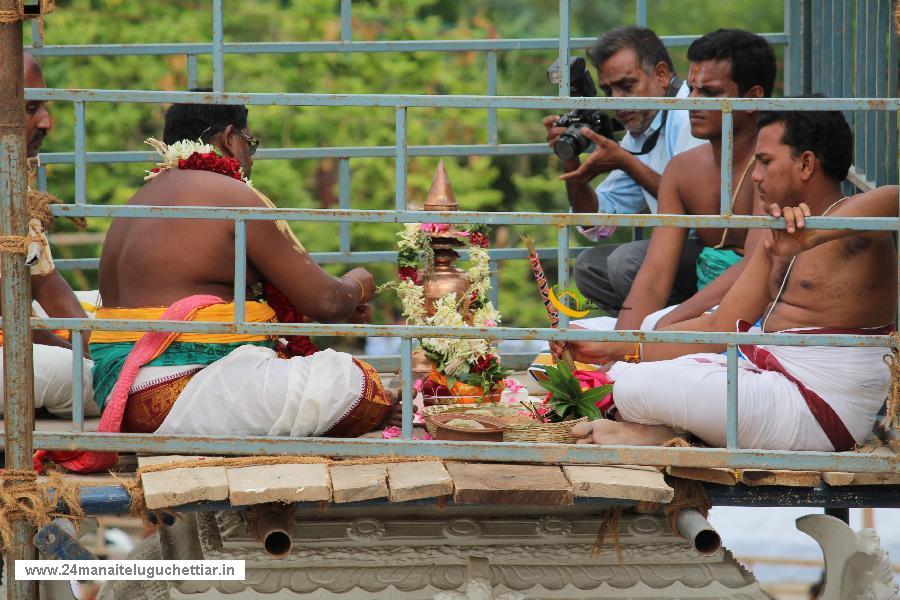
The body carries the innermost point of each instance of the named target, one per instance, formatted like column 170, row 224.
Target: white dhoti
column 253, row 392
column 789, row 397
column 53, row 381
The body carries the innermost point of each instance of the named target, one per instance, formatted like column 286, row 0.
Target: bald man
column 52, row 354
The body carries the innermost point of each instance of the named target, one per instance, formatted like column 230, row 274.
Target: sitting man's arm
column 653, row 283
column 712, row 294
column 745, row 301
column 57, row 299
column 274, row 252
column 880, row 202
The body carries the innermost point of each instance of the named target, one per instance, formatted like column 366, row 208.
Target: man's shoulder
column 199, row 188
column 689, row 161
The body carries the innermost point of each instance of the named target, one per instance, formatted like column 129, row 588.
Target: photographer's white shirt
column 619, row 193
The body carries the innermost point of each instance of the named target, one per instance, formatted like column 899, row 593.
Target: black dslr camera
column 572, row 142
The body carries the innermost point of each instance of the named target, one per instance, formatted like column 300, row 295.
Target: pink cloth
column 148, row 347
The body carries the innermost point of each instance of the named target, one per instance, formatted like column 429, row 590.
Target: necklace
column 788, row 271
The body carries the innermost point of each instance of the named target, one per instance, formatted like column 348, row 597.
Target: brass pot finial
column 440, row 196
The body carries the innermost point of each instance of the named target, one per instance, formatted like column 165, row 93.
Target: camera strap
column 650, row 143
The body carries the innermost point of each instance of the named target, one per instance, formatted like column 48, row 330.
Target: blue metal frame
column 732, row 456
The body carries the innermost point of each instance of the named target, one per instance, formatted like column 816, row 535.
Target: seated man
column 233, row 383
column 630, row 61
column 52, row 355
column 725, row 63
column 797, row 281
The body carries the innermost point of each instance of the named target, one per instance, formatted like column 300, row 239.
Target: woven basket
column 497, row 409
column 542, row 432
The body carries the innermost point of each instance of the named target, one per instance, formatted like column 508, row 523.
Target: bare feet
column 621, row 433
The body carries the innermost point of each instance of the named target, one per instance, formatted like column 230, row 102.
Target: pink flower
column 417, row 385
column 435, row 227
column 490, row 323
column 512, row 385
column 390, row 433
column 592, row 379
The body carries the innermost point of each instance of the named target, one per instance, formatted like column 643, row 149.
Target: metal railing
column 15, row 282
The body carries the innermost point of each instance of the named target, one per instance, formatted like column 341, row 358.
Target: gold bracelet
column 362, row 289
column 636, row 357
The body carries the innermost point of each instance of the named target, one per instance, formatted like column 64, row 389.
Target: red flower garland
column 209, row 161
column 297, row 345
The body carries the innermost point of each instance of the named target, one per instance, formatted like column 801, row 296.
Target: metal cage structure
column 845, row 48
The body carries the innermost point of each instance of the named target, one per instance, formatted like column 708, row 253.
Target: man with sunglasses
column 223, row 126
column 246, row 383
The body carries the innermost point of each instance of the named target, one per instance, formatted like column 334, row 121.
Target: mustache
column 38, row 135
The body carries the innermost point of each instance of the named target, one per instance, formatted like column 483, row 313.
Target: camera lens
column 566, row 147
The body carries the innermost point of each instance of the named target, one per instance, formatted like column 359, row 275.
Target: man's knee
column 624, row 263
column 631, row 390
column 590, row 272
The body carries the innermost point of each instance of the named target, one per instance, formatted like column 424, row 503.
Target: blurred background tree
column 499, row 183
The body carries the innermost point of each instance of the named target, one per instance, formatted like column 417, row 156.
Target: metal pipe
column 462, row 100
column 271, row 527
column 461, row 217
column 526, row 452
column 400, row 162
column 18, row 374
column 218, row 52
column 342, row 47
column 464, row 332
column 694, row 527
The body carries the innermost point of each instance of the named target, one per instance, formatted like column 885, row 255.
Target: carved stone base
column 456, row 553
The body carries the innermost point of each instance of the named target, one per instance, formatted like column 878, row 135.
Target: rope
column 893, row 402
column 18, row 14
column 22, row 498
column 688, row 494
column 610, row 524
column 13, row 244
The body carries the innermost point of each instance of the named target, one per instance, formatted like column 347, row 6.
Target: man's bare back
column 155, row 262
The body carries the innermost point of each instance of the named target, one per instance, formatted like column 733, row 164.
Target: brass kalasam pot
column 444, row 278
column 421, row 364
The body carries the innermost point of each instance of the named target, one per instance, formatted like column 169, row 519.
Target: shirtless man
column 52, row 354
column 728, row 63
column 226, row 384
column 799, row 280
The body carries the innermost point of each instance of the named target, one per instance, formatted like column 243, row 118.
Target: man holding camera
column 630, row 61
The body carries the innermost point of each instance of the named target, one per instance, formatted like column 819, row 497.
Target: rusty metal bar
column 18, row 375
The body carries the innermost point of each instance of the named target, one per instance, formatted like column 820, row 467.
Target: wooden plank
column 416, row 480
column 785, row 478
column 619, row 482
column 163, row 489
column 876, row 479
column 278, row 483
column 837, row 478
column 537, row 485
column 711, row 475
column 354, row 483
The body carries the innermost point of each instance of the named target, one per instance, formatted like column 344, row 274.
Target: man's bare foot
column 621, row 433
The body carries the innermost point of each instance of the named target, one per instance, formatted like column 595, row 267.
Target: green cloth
column 110, row 358
column 712, row 262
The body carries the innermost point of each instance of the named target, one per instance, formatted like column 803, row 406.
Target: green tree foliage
column 507, row 183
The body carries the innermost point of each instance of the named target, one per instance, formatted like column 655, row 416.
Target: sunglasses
column 252, row 141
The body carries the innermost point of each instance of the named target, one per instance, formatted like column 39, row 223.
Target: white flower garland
column 456, row 354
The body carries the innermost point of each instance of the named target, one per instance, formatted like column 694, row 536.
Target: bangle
column 636, row 357
column 362, row 289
